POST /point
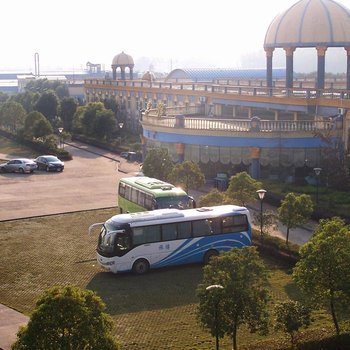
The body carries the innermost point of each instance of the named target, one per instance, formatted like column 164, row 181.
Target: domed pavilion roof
column 310, row 23
column 122, row 60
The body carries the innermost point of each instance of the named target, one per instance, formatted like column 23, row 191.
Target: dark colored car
column 49, row 163
column 21, row 165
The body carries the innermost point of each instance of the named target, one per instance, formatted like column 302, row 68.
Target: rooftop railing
column 301, row 89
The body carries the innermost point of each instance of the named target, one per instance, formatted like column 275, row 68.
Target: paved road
column 89, row 181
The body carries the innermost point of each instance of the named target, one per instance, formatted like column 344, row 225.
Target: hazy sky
column 171, row 33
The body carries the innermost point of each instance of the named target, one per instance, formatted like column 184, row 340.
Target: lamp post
column 317, row 172
column 261, row 194
column 60, row 130
column 216, row 287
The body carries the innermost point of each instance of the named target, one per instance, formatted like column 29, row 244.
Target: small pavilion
column 122, row 61
column 308, row 23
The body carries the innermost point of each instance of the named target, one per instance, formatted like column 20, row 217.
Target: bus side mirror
column 93, row 226
column 192, row 201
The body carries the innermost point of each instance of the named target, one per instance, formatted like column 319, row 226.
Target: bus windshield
column 178, row 202
column 112, row 239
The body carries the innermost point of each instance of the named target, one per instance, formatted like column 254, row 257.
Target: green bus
column 140, row 193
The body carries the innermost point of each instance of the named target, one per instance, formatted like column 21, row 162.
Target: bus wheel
column 209, row 254
column 140, row 267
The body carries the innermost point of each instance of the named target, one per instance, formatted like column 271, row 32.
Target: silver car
column 21, row 165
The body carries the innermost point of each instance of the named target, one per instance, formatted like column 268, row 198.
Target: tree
column 3, row 97
column 47, row 104
column 323, row 271
column 67, row 318
column 105, row 124
column 42, row 128
column 88, row 119
column 214, row 197
column 27, row 99
column 68, row 107
column 290, row 317
column 30, row 121
column 295, row 210
column 243, row 299
column 158, row 164
column 12, row 115
column 242, row 188
column 187, row 175
column 269, row 220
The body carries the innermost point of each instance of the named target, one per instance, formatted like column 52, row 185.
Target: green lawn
column 154, row 311
column 12, row 149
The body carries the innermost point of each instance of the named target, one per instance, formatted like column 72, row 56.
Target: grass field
column 12, row 149
column 154, row 311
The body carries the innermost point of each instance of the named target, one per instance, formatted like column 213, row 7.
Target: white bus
column 165, row 237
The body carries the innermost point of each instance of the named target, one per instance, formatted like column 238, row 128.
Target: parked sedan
column 20, row 165
column 49, row 163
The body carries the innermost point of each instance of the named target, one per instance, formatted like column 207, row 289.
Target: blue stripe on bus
column 186, row 253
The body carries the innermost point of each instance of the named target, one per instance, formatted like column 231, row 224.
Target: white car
column 19, row 165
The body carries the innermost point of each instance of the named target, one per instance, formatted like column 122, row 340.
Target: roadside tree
column 290, row 316
column 187, row 175
column 242, row 188
column 67, row 109
column 323, row 271
column 30, row 121
column 105, row 124
column 243, row 298
column 67, row 318
column 295, row 210
column 42, row 128
column 47, row 104
column 88, row 119
column 158, row 164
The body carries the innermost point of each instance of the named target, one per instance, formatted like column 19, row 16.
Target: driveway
column 89, row 181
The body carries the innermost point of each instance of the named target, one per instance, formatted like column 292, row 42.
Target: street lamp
column 60, row 130
column 120, row 125
column 216, row 287
column 317, row 172
column 261, row 194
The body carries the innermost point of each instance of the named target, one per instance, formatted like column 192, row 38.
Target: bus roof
column 151, row 185
column 174, row 215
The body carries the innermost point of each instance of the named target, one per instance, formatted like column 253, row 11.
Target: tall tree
column 187, row 175
column 243, row 298
column 242, row 188
column 27, row 99
column 67, row 318
column 105, row 124
column 89, row 117
column 30, row 121
column 47, row 104
column 12, row 115
column 42, row 128
column 295, row 210
column 68, row 107
column 158, row 164
column 323, row 271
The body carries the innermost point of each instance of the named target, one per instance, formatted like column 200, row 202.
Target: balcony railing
column 237, row 125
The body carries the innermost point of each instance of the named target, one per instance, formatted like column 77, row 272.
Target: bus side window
column 148, row 202
column 215, row 226
column 169, row 232
column 235, row 223
column 201, row 228
column 122, row 190
column 146, row 234
column 134, row 193
column 127, row 192
column 183, row 230
column 141, row 199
